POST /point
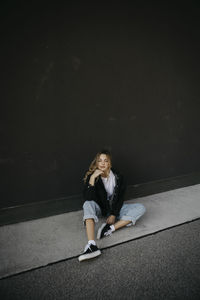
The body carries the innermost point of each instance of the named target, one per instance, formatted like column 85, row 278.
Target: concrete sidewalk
column 37, row 243
column 161, row 266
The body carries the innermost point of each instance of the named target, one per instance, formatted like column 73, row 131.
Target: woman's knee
column 141, row 208
column 137, row 209
column 88, row 204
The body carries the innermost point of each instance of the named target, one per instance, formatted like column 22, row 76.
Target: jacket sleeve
column 88, row 191
column 118, row 198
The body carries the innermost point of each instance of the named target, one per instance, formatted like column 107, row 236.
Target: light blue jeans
column 128, row 212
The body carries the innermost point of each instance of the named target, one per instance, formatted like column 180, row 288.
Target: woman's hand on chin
column 96, row 173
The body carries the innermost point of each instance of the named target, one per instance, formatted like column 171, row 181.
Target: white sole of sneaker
column 100, row 230
column 90, row 255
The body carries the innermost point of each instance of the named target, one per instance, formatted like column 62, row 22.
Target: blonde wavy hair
column 93, row 164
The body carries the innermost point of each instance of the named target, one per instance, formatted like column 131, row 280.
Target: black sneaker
column 90, row 251
column 103, row 231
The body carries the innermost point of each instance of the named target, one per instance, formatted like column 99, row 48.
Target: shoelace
column 109, row 232
column 87, row 247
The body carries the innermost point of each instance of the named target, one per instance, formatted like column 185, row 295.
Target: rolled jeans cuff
column 127, row 218
column 85, row 217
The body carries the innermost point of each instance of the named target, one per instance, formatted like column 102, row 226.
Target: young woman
column 103, row 193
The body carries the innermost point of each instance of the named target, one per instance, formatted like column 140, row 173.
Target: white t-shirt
column 109, row 183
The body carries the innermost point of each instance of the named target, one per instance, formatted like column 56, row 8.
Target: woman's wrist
column 91, row 181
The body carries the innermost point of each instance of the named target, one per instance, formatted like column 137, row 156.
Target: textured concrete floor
column 161, row 266
column 36, row 243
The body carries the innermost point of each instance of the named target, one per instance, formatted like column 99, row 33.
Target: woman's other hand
column 111, row 219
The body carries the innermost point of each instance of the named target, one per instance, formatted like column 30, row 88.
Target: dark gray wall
column 78, row 77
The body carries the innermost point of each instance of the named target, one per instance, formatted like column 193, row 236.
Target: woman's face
column 103, row 163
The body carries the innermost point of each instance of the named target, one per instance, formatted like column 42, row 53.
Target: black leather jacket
column 99, row 194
